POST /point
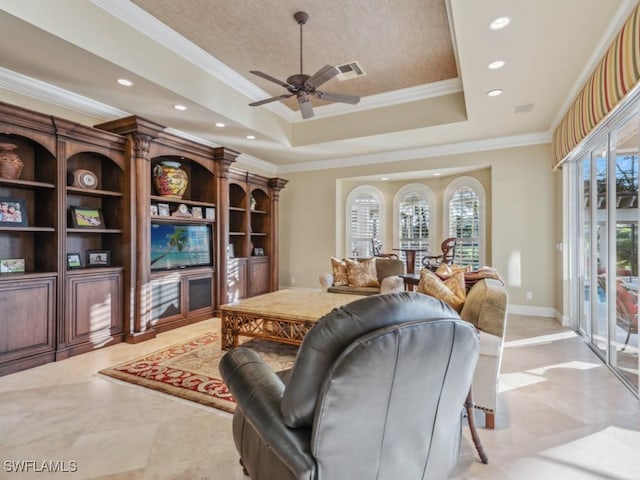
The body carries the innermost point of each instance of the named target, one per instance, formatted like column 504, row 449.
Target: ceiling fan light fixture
column 302, row 85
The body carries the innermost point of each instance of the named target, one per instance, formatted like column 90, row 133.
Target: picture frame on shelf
column 210, row 213
column 164, row 210
column 13, row 212
column 98, row 258
column 196, row 212
column 73, row 261
column 258, row 252
column 154, row 210
column 12, row 265
column 86, row 217
column 182, row 211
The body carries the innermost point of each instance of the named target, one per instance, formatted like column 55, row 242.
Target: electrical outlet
column 293, row 281
column 529, row 295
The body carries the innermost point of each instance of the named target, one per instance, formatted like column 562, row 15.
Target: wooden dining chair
column 448, row 247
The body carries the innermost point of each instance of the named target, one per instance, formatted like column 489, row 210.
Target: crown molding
column 30, row 87
column 422, row 152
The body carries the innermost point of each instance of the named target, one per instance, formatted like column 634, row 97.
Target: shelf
column 13, row 276
column 238, row 234
column 237, row 209
column 94, row 230
column 27, row 229
column 92, row 193
column 259, row 212
column 170, row 219
column 88, row 270
column 258, row 234
column 26, row 184
column 176, row 201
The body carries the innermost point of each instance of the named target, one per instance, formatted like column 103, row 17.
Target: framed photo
column 73, row 261
column 98, row 258
column 154, row 210
column 13, row 212
column 11, row 265
column 258, row 252
column 196, row 212
column 86, row 217
column 163, row 210
column 210, row 213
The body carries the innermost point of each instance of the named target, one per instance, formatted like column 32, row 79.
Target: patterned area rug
column 190, row 369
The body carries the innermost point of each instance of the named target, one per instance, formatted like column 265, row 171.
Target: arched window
column 464, row 219
column 364, row 220
column 413, row 209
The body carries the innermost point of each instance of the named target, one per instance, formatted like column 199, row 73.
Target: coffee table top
column 292, row 304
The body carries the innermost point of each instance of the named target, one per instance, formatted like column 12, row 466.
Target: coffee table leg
column 229, row 331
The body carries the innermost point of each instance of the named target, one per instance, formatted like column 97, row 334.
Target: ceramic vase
column 170, row 180
column 10, row 163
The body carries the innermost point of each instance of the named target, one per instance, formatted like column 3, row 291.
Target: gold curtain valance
column 616, row 74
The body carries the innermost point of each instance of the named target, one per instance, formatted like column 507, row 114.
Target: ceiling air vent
column 524, row 108
column 350, row 70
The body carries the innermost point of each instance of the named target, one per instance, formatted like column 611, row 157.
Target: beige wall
column 520, row 187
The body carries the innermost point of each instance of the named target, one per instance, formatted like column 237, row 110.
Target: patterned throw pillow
column 339, row 270
column 451, row 291
column 362, row 274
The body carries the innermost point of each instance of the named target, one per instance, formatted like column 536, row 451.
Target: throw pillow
column 339, row 270
column 471, row 278
column 362, row 273
column 445, row 271
column 451, row 291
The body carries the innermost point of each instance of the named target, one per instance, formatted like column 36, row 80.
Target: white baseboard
column 532, row 311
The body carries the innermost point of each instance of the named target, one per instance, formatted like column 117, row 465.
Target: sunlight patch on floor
column 527, row 342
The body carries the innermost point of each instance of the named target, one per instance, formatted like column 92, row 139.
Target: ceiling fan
column 303, row 86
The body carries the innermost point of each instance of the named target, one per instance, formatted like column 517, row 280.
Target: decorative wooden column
column 224, row 158
column 275, row 184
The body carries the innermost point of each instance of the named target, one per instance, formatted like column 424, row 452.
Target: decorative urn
column 10, row 163
column 170, row 180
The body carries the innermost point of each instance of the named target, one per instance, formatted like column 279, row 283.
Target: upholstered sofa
column 485, row 307
column 481, row 299
column 387, row 271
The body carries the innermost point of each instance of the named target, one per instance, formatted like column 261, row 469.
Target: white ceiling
column 70, row 52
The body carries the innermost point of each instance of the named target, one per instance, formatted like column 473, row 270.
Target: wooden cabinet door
column 258, row 274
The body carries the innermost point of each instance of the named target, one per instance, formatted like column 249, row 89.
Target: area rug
column 189, row 370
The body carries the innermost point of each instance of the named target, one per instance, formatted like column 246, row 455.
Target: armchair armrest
column 391, row 284
column 326, row 280
column 258, row 391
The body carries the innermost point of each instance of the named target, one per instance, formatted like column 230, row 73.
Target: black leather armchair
column 376, row 392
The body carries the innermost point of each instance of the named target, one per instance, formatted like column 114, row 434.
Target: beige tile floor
column 562, row 415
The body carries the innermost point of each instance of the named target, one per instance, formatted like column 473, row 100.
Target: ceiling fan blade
column 338, row 97
column 268, row 100
column 323, row 75
column 305, row 105
column 270, row 78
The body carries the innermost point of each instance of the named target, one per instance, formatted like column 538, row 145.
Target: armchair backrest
column 387, row 374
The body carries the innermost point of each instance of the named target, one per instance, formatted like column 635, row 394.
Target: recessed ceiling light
column 125, row 82
column 220, row 125
column 496, row 65
column 499, row 23
column 437, row 174
column 495, row 92
column 180, row 107
column 384, row 179
column 250, row 137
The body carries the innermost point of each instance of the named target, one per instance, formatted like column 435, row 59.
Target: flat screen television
column 175, row 246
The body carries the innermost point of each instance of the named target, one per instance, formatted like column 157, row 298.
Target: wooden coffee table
column 283, row 316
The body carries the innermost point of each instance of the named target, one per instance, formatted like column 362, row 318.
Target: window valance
column 616, row 74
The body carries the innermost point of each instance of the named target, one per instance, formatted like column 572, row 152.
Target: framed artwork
column 154, row 210
column 86, row 217
column 73, row 260
column 210, row 213
column 11, row 265
column 163, row 210
column 258, row 252
column 196, row 212
column 13, row 212
column 98, row 258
